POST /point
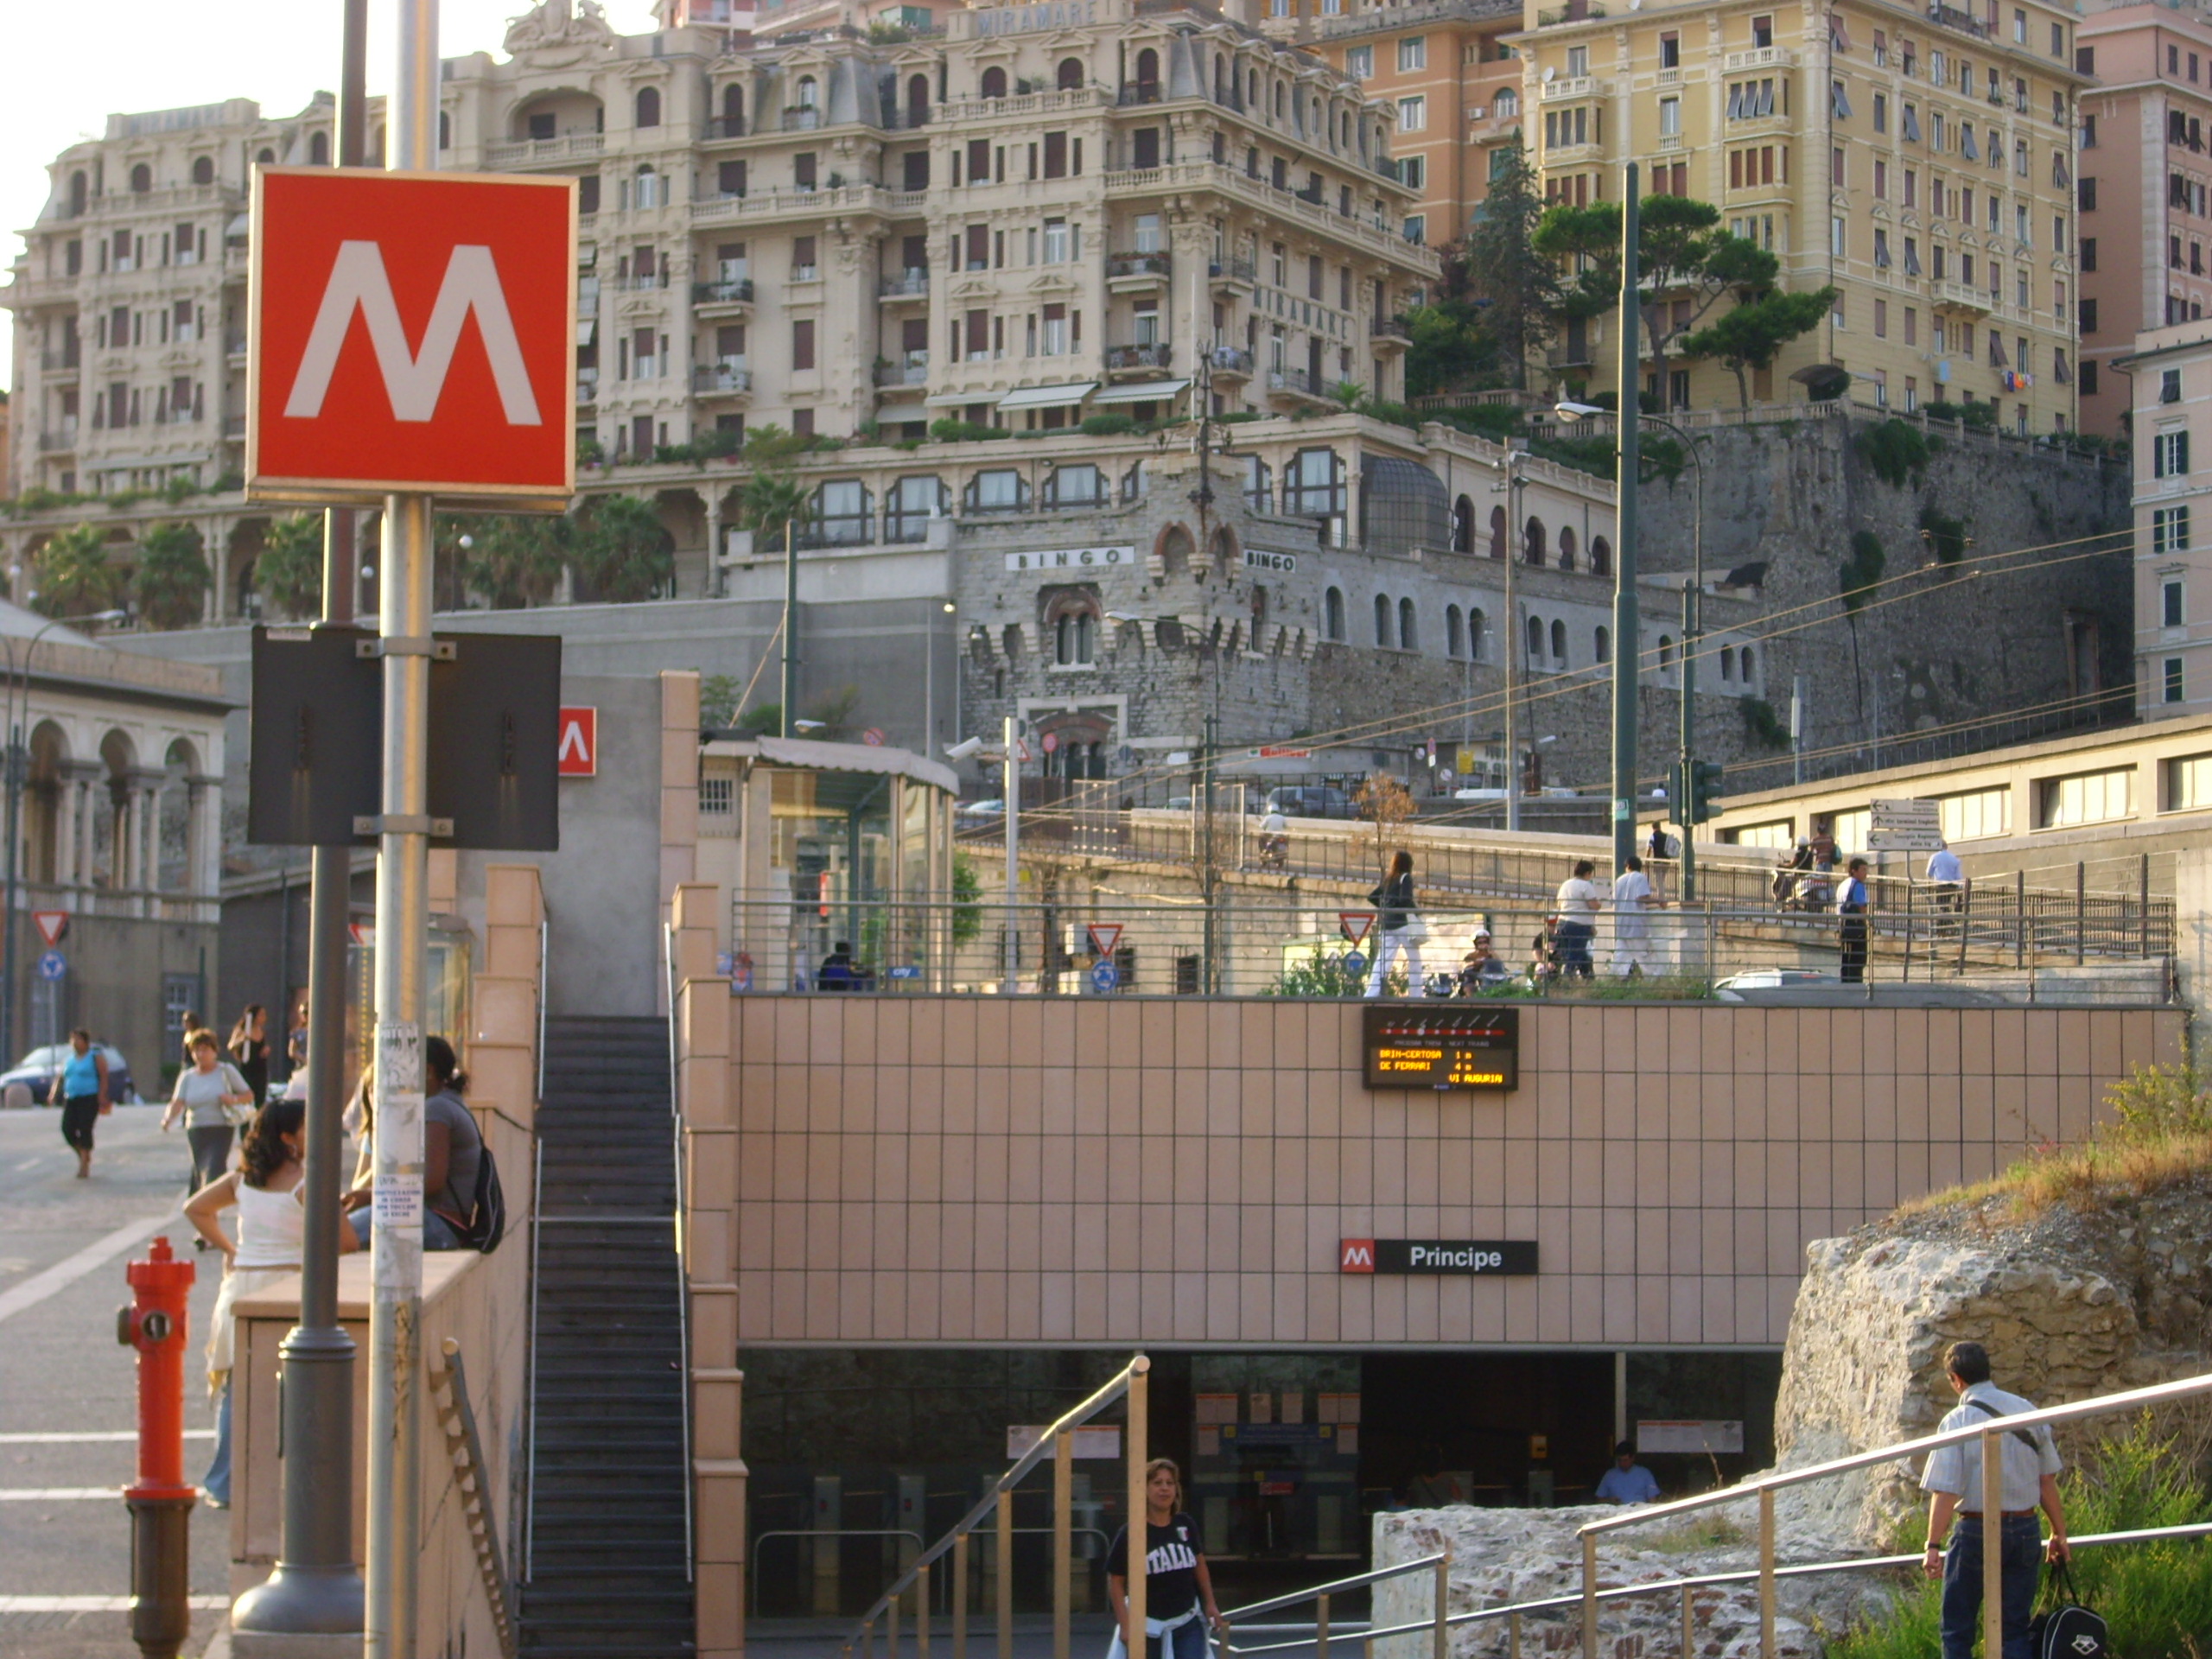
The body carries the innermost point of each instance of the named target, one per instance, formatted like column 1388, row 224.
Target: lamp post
column 1516, row 482
column 17, row 763
column 1693, row 624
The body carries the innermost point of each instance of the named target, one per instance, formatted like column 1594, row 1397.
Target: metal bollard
column 161, row 1502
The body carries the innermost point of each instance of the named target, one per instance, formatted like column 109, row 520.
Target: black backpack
column 488, row 1210
column 2067, row 1630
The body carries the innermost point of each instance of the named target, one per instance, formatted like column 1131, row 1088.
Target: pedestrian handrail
column 683, row 1273
column 1763, row 1488
column 760, row 1538
column 457, row 1420
column 1438, row 1622
column 1055, row 1442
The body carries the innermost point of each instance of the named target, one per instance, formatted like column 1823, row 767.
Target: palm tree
column 289, row 572
column 172, row 577
column 622, row 551
column 74, row 577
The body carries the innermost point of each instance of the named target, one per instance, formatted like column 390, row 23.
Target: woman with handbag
column 1179, row 1604
column 208, row 1093
column 1399, row 926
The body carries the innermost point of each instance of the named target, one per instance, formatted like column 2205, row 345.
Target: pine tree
column 1518, row 286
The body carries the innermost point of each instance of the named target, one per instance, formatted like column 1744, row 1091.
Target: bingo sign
column 1074, row 558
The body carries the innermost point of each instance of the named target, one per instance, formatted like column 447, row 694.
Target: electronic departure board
column 1439, row 1046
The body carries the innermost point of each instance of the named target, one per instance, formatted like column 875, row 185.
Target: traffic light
column 1677, row 797
column 1705, row 789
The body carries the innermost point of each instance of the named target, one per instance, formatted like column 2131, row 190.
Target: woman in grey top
column 453, row 1150
column 206, row 1092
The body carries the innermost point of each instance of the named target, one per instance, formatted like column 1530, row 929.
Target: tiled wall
column 938, row 1170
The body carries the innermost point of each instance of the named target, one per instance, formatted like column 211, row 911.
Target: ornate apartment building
column 1920, row 162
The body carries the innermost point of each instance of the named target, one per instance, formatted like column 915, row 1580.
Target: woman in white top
column 207, row 1091
column 272, row 1226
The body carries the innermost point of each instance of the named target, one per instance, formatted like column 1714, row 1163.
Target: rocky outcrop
column 2073, row 1302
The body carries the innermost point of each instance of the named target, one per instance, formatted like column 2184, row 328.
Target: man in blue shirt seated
column 1627, row 1481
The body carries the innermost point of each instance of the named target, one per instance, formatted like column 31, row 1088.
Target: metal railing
column 673, row 985
column 952, row 1589
column 1438, row 1622
column 457, row 1420
column 1057, row 1442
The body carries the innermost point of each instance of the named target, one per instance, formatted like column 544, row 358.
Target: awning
column 868, row 760
column 584, row 327
column 1145, row 391
column 237, row 229
column 954, row 399
column 1048, row 397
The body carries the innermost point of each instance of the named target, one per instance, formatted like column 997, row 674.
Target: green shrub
column 1762, row 725
column 1894, row 452
column 1238, row 417
column 949, row 431
column 1945, row 535
column 1863, row 569
column 1321, row 974
column 1496, row 422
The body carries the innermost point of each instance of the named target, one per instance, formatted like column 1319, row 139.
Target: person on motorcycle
column 1275, row 837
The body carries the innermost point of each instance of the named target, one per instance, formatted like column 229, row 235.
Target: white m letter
column 358, row 280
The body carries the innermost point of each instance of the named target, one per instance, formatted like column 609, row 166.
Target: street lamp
column 1692, row 623
column 18, row 711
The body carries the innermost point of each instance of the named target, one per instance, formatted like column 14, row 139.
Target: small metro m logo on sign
column 579, row 750
column 1356, row 1255
column 411, row 333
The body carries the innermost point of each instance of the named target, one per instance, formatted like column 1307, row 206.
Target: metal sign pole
column 1628, row 639
column 402, row 894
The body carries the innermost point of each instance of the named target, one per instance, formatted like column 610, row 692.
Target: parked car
column 1311, row 801
column 978, row 812
column 36, row 1069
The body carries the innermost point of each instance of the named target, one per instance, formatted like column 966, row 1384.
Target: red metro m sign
column 411, row 333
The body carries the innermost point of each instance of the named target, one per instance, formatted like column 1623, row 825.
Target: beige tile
column 2074, row 1054
column 1815, row 1102
column 1619, row 1291
column 1189, row 1321
column 1813, row 1051
column 1912, row 1041
column 1323, row 1315
column 1192, row 1015
column 1089, row 1317
column 1652, row 1309
column 1023, row 1306
column 2042, row 1041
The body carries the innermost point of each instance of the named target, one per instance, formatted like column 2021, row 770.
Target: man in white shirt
column 1632, row 897
column 1948, row 884
column 1952, row 1479
column 1577, row 902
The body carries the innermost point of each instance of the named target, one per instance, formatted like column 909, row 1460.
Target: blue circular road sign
column 52, row 965
column 1104, row 976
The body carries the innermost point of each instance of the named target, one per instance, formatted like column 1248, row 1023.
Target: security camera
column 963, row 748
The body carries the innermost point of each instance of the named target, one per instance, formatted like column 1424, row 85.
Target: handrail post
column 891, row 1630
column 1689, row 1621
column 1003, row 1558
column 1992, row 1540
column 922, row 1610
column 1513, row 1637
column 1441, row 1647
column 1063, row 1543
column 1134, row 1550
column 1766, row 1572
column 1589, row 1595
column 960, row 1597
column 1321, row 1627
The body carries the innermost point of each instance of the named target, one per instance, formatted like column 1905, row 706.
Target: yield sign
column 52, row 925
column 579, row 743
column 1355, row 924
column 1104, row 936
column 411, row 332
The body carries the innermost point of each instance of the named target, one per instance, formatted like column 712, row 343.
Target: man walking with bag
column 1952, row 1479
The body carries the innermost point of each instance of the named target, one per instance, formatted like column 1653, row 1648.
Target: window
column 1559, row 644
column 1383, row 635
column 1413, row 53
column 1332, row 614
column 2170, row 533
column 1256, row 492
column 1408, row 634
column 908, row 507
column 1079, row 485
column 1412, row 114
column 1074, row 639
column 1314, row 484
column 2085, row 194
column 1413, row 172
column 2170, row 385
column 2087, row 311
column 1454, row 631
column 1671, row 117
column 2170, row 689
column 1359, row 62
column 648, row 107
column 842, row 514
column 2169, row 454
column 1670, row 49
column 1748, row 100
column 2085, row 798
column 1577, row 62
column 1881, row 112
column 998, row 490
column 803, row 344
column 2170, row 604
column 804, row 268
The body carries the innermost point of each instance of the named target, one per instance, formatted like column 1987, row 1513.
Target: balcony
column 1390, row 334
column 1227, row 275
column 730, row 294
column 914, row 372
column 729, row 378
column 1957, row 297
column 234, row 346
column 1573, row 12
column 906, row 285
column 61, row 363
column 804, row 120
column 1296, row 387
column 234, row 427
column 62, row 439
column 1129, row 272
column 586, row 388
column 650, row 279
column 1965, row 21
column 1145, row 92
column 725, row 126
column 535, row 151
column 1138, row 359
column 1574, row 86
column 1229, row 363
column 1764, row 57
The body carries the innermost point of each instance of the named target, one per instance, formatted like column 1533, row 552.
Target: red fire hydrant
column 161, row 1502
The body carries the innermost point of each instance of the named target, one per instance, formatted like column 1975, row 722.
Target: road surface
column 68, row 1409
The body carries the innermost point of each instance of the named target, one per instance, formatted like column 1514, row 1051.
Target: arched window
column 1567, row 546
column 1497, row 532
column 1477, row 634
column 1507, row 103
column 1252, row 89
column 1559, row 644
column 318, row 150
column 1727, row 662
column 649, row 192
column 809, row 92
column 1744, row 666
column 1075, row 639
column 1332, row 614
column 734, row 107
column 648, row 107
column 1069, row 77
column 445, row 130
column 1532, row 542
column 267, row 158
column 1283, row 101
column 1220, row 80
column 994, row 82
column 1601, row 557
column 1408, row 638
column 1463, row 525
column 1382, row 619
column 1666, row 653
column 203, row 169
column 1176, row 548
column 1454, row 633
column 141, row 177
column 79, row 190
column 1535, row 641
column 1148, row 76
column 1602, row 645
